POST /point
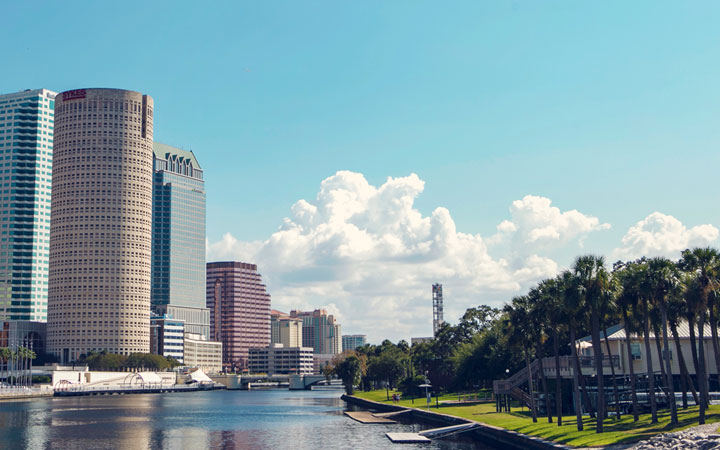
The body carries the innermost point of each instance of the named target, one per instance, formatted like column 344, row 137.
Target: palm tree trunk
column 648, row 357
column 612, row 371
column 702, row 378
column 599, row 374
column 687, row 381
column 538, row 356
column 583, row 389
column 576, row 387
column 631, row 363
column 714, row 334
column 658, row 347
column 530, row 386
column 693, row 348
column 558, row 379
column 668, row 367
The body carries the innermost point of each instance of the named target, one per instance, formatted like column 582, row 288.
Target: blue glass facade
column 178, row 244
column 26, row 147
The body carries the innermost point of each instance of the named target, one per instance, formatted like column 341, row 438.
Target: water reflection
column 232, row 420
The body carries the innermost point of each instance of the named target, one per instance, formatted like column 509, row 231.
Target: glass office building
column 178, row 244
column 26, row 148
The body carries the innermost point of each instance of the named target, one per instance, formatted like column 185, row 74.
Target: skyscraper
column 26, row 148
column 353, row 341
column 320, row 331
column 239, row 310
column 285, row 330
column 178, row 242
column 100, row 232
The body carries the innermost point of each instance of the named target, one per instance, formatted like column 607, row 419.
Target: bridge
column 245, row 382
column 305, row 382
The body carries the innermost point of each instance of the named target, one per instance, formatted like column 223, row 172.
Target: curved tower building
column 101, row 223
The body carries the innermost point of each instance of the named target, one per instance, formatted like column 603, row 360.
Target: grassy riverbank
column 616, row 432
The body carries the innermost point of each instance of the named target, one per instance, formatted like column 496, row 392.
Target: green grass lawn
column 616, row 431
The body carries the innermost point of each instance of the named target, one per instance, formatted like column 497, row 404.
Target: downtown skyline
column 300, row 122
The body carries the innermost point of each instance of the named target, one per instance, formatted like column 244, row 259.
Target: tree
column 704, row 265
column 538, row 316
column 5, row 355
column 627, row 301
column 594, row 281
column 349, row 372
column 521, row 335
column 663, row 278
column 572, row 305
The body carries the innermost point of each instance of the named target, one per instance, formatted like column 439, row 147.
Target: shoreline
column 491, row 435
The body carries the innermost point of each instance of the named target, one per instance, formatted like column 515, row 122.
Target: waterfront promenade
column 618, row 433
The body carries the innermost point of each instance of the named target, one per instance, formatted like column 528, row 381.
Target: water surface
column 268, row 419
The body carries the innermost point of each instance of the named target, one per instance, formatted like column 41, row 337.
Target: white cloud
column 663, row 235
column 367, row 253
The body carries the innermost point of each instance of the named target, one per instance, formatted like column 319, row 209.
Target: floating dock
column 407, row 438
column 367, row 417
column 425, row 435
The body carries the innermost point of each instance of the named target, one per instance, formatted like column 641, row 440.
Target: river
column 263, row 419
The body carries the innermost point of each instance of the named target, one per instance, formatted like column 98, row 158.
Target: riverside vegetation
column 646, row 296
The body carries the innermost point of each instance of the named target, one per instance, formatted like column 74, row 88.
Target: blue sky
column 610, row 108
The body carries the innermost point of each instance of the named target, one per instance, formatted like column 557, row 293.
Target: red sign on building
column 73, row 95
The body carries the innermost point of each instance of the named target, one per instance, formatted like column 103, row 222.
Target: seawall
column 495, row 436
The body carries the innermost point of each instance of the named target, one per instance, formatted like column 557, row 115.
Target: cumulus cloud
column 367, row 254
column 663, row 235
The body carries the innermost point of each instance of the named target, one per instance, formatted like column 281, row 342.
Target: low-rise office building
column 278, row 359
column 167, row 337
column 205, row 355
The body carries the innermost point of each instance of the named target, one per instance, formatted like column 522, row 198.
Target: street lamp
column 427, row 393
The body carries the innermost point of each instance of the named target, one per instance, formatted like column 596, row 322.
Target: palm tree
column 568, row 286
column 645, row 293
column 31, row 355
column 521, row 335
column 627, row 301
column 605, row 314
column 663, row 278
column 676, row 307
column 704, row 264
column 595, row 284
column 538, row 319
column 5, row 355
column 712, row 304
column 552, row 291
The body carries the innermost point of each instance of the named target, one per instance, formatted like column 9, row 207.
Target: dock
column 407, row 438
column 367, row 417
column 390, row 414
column 425, row 435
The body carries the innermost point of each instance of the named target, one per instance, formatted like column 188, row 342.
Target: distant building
column 167, row 337
column 281, row 360
column 320, row 331
column 239, row 311
column 353, row 341
column 321, row 361
column 26, row 143
column 438, row 308
column 197, row 320
column 420, row 340
column 203, row 354
column 23, row 333
column 178, row 238
column 285, row 330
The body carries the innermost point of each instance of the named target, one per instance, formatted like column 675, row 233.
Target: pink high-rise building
column 239, row 311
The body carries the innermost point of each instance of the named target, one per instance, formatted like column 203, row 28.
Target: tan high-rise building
column 285, row 330
column 100, row 231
